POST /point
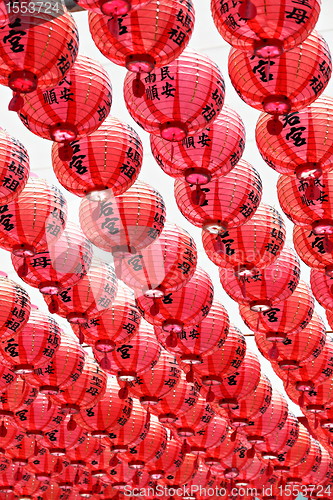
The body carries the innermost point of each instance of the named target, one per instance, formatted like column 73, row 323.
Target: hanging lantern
column 244, row 478
column 34, row 345
column 121, row 475
column 322, row 288
column 108, row 411
column 285, row 84
column 273, row 284
column 316, row 401
column 8, row 479
column 198, row 341
column 64, row 437
column 306, row 153
column 90, row 297
column 184, row 473
column 18, row 395
column 112, row 8
column 41, row 228
column 165, row 266
column 323, row 470
column 27, row 63
column 108, row 159
column 80, row 454
column 10, row 435
column 100, row 462
column 186, row 96
column 212, row 435
column 124, row 224
column 264, row 29
column 193, row 421
column 25, row 449
column 236, row 460
column 284, row 318
column 203, row 479
column 185, row 307
column 204, row 156
column 85, row 392
column 315, row 250
column 297, row 454
column 128, row 41
column 60, row 266
column 115, row 326
column 169, row 461
column 152, row 385
column 254, row 245
column 15, row 307
column 45, row 466
column 14, row 167
column 71, row 109
column 277, row 443
column 226, row 203
column 62, row 370
column 122, row 437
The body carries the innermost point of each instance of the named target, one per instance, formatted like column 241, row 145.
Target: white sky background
column 205, row 39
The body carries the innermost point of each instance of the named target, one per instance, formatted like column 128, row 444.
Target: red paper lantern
column 27, row 62
column 64, row 437
column 165, row 266
column 18, row 395
column 297, row 454
column 300, row 473
column 322, row 288
column 198, row 341
column 185, row 307
column 124, row 224
column 226, row 203
column 8, row 479
column 193, row 420
column 314, row 250
column 45, row 466
column 186, row 96
column 130, row 42
column 323, row 471
column 121, row 475
column 183, row 474
column 15, row 307
column 267, row 29
column 212, row 435
column 236, row 460
column 273, row 284
column 29, row 486
column 25, row 231
column 279, row 442
column 122, row 437
column 34, row 345
column 108, row 159
column 284, row 318
column 21, row 452
column 60, row 266
column 80, row 454
column 317, row 401
column 308, row 152
column 285, row 84
column 254, row 245
column 256, row 469
column 204, row 156
column 10, row 434
column 14, row 167
column 112, row 8
column 71, row 109
column 170, row 460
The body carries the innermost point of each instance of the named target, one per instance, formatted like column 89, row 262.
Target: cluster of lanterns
column 151, row 385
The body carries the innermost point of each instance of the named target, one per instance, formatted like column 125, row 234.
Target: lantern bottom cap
column 156, row 293
column 140, row 63
column 198, row 450
column 173, row 325
column 70, row 409
column 125, row 376
column 270, row 455
column 191, row 359
column 288, row 364
column 119, row 448
column 78, row 463
column 156, row 474
column 119, row 485
column 185, row 432
column 315, row 408
column 24, row 369
column 322, row 227
column 100, row 433
column 148, row 400
column 173, row 130
column 57, row 452
column 246, row 270
column 327, row 424
column 276, row 105
column 22, row 81
column 63, row 132
column 210, row 380
column 136, row 464
column 239, row 422
column 214, row 227
column 77, row 317
column 304, row 386
column 260, row 305
column 231, row 403
column 276, row 336
column 307, row 171
column 268, row 48
column 197, row 175
column 231, row 473
column 24, row 250
column 256, row 439
column 105, row 345
column 167, row 418
column 281, row 468
column 35, row 433
column 50, row 287
column 98, row 194
column 49, row 389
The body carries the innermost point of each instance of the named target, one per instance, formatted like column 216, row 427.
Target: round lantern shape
column 80, row 454
column 165, row 266
column 134, row 431
column 130, row 42
column 18, row 395
column 198, row 341
column 254, row 245
column 25, row 231
column 64, row 437
column 277, row 443
column 15, row 307
column 184, row 473
column 34, row 345
column 180, row 99
column 26, row 61
column 14, row 167
column 193, row 420
column 257, row 468
column 106, row 161
column 112, row 8
column 169, row 461
column 205, row 156
column 23, row 451
column 285, row 84
column 73, row 108
column 322, row 288
column 297, row 454
column 323, row 471
column 265, row 29
column 300, row 473
column 45, row 466
column 315, row 250
column 212, row 435
column 124, row 224
column 317, row 401
column 60, row 266
column 305, row 150
column 273, row 284
column 121, row 475
column 227, row 202
column 236, row 460
column 10, row 435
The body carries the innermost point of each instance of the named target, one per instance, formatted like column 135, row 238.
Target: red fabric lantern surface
column 124, row 224
column 18, row 395
column 284, row 84
column 64, row 437
column 324, row 470
column 165, row 266
column 256, row 469
column 183, row 474
column 90, row 297
column 212, row 435
column 33, row 346
column 85, row 392
column 20, row 453
column 297, row 454
column 10, row 434
column 150, row 449
column 192, row 100
column 201, row 340
column 329, row 316
column 115, row 326
column 61, row 266
column 194, row 420
column 100, row 462
column 131, row 43
column 203, row 479
column 204, row 156
column 322, row 287
column 236, row 460
column 301, row 473
column 136, row 356
column 108, row 412
column 45, row 466
column 285, row 318
column 11, row 475
column 298, row 349
column 306, row 155
column 120, row 475
column 267, row 29
column 273, row 284
column 7, row 377
column 15, row 306
column 26, row 231
column 314, row 250
column 29, row 486
column 62, row 370
column 176, row 402
column 254, row 245
column 277, row 443
column 227, row 202
column 80, row 455
column 132, row 432
column 170, row 460
column 71, row 109
column 26, row 61
column 240, row 384
column 317, row 401
column 14, row 167
column 112, row 8
column 185, row 307
column 152, row 385
column 108, row 159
